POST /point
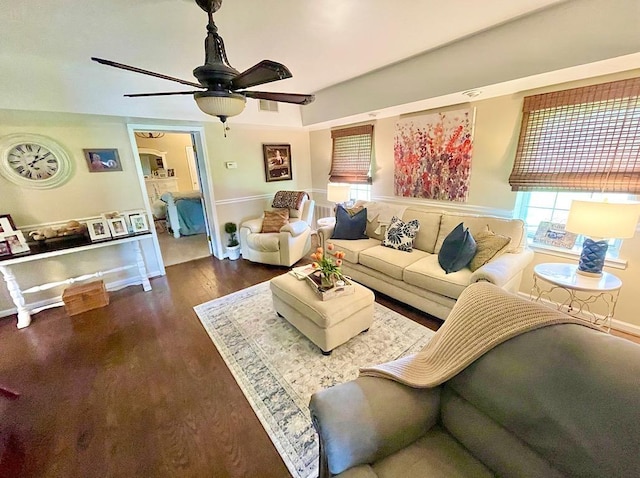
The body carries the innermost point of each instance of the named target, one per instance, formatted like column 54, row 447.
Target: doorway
column 172, row 168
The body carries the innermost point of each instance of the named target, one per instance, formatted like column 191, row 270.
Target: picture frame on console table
column 98, row 230
column 5, row 251
column 16, row 241
column 118, row 227
column 6, row 223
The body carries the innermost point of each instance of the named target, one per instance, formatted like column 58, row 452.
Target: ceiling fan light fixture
column 220, row 103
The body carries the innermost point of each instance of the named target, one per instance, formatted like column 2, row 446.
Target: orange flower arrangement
column 330, row 270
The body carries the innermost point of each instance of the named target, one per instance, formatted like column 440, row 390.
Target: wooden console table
column 17, row 294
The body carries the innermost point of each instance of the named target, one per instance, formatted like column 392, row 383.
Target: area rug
column 278, row 369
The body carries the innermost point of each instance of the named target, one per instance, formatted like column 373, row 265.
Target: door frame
column 204, row 174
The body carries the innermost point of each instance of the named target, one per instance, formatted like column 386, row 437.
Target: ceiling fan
column 222, row 90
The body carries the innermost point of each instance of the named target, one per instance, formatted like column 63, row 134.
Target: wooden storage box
column 82, row 297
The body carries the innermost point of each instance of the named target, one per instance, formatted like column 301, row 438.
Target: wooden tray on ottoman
column 329, row 293
column 82, row 297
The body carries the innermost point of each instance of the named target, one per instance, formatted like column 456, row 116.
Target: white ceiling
column 46, row 45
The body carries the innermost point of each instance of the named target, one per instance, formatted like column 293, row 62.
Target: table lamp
column 338, row 193
column 597, row 220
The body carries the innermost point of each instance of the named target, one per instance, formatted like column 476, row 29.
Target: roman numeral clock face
column 33, row 161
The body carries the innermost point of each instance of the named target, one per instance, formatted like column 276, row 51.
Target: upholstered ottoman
column 326, row 323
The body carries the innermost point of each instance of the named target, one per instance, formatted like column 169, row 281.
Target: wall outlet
column 231, row 165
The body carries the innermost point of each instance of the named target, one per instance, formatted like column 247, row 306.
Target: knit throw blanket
column 288, row 199
column 483, row 317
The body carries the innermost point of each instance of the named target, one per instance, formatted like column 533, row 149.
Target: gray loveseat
column 562, row 400
column 416, row 278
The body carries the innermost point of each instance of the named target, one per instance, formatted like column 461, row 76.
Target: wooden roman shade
column 582, row 139
column 351, row 156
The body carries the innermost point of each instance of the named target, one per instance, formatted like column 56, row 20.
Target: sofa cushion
column 429, row 226
column 352, row 249
column 435, row 454
column 427, row 274
column 389, row 261
column 513, row 228
column 400, row 234
column 457, row 250
column 348, row 226
column 274, row 220
column 488, row 246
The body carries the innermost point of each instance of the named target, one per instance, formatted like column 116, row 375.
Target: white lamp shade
column 338, row 192
column 217, row 103
column 596, row 219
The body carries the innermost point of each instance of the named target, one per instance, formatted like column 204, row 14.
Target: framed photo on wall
column 102, row 160
column 277, row 162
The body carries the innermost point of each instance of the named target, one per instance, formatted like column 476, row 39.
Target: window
column 582, row 139
column 361, row 192
column 536, row 207
column 351, row 155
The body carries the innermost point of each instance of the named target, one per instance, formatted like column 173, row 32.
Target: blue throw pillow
column 348, row 226
column 457, row 250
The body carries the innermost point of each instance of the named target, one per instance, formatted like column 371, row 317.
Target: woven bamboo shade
column 582, row 139
column 351, row 156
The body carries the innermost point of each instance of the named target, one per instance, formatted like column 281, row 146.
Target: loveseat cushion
column 435, row 454
column 352, row 249
column 513, row 228
column 427, row 274
column 389, row 261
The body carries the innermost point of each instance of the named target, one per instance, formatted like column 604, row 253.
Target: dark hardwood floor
column 136, row 388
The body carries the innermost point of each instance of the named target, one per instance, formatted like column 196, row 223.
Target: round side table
column 581, row 291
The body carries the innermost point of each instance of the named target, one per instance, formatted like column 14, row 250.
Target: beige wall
column 242, row 192
column 496, row 131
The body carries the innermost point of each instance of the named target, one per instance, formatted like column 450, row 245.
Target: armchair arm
column 254, row 225
column 502, row 269
column 295, row 228
column 369, row 418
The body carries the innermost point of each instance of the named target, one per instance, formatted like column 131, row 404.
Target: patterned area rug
column 278, row 369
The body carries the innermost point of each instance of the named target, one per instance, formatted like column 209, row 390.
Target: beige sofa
column 416, row 277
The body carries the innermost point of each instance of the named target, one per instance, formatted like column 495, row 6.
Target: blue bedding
column 188, row 210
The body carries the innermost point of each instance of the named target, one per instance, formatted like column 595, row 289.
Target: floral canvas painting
column 432, row 155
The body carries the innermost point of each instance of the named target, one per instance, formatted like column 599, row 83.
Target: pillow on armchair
column 274, row 220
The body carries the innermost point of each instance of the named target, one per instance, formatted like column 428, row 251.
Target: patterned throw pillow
column 489, row 246
column 457, row 250
column 400, row 234
column 274, row 220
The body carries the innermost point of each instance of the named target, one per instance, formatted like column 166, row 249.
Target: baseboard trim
column 618, row 325
column 111, row 286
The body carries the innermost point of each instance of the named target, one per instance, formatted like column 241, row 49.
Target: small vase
column 326, row 281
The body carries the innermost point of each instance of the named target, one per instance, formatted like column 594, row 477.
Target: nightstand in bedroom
column 581, row 291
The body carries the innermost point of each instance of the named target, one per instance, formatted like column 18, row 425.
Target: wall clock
column 34, row 161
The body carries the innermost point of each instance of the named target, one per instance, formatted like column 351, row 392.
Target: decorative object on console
column 339, row 193
column 221, row 88
column 555, row 234
column 72, row 230
column 400, row 235
column 489, row 245
column 457, row 250
column 98, row 229
column 330, row 272
column 34, row 161
column 118, row 226
column 432, row 155
column 102, row 160
column 597, row 220
column 277, row 162
column 350, row 227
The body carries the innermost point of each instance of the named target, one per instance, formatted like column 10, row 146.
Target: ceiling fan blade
column 264, row 72
column 144, row 72
column 295, row 98
column 165, row 93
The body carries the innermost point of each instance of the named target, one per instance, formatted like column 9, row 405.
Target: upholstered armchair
column 281, row 236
